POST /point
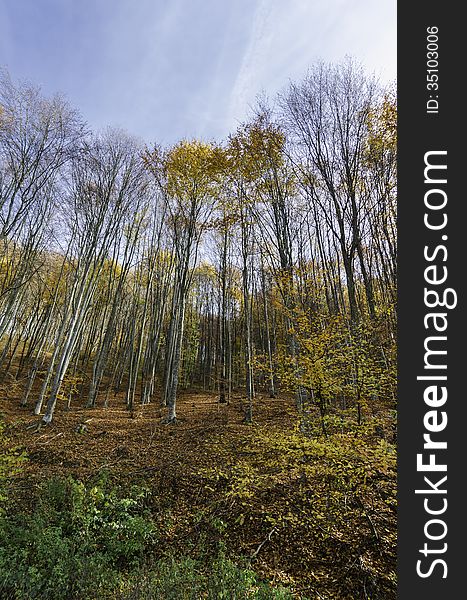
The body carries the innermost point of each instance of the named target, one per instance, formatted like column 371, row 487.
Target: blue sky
column 166, row 70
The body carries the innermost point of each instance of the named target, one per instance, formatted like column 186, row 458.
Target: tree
column 106, row 182
column 38, row 138
column 327, row 115
column 227, row 266
column 187, row 175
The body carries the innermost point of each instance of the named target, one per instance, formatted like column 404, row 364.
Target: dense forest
column 254, row 275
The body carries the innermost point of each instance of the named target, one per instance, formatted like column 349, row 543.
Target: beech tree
column 187, row 175
column 327, row 114
column 106, row 183
column 265, row 263
column 38, row 137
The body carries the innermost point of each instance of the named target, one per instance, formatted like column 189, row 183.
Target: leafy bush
column 91, row 542
column 76, row 543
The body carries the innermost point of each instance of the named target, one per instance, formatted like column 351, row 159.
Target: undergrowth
column 90, row 542
column 272, row 514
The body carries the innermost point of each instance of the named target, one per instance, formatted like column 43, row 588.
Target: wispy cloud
column 254, row 56
column 185, row 68
column 286, row 38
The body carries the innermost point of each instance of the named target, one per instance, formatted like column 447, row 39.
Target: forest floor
column 313, row 513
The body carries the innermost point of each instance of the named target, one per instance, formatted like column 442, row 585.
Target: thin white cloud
column 186, row 68
column 286, row 38
column 246, row 82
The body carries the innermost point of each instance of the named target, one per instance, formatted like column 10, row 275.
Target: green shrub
column 77, row 543
column 95, row 542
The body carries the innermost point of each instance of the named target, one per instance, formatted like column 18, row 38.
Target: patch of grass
column 11, row 460
column 188, row 579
